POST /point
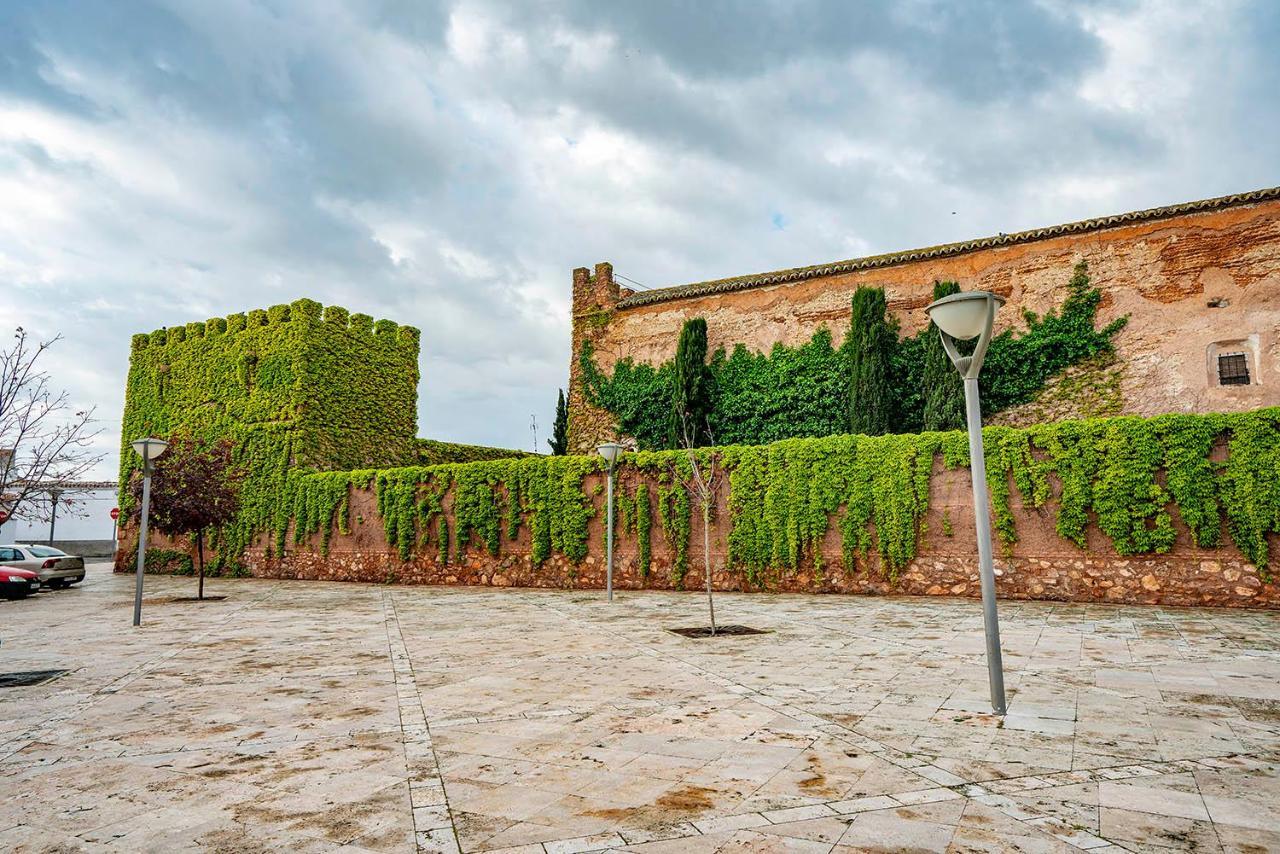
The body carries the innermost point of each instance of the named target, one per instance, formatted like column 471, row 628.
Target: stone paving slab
column 307, row 716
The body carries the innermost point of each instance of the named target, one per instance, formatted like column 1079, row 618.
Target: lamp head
column 610, row 451
column 964, row 315
column 149, row 449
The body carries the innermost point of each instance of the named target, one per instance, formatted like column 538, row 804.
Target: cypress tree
column 943, row 389
column 872, row 339
column 559, row 440
column 691, row 388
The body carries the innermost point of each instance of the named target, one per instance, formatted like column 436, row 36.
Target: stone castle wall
column 1041, row 565
column 1193, row 279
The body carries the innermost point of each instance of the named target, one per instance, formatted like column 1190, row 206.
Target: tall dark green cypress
column 691, row 387
column 943, row 389
column 872, row 338
column 559, row 440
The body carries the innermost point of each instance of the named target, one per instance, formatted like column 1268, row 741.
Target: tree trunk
column 706, row 556
column 200, row 556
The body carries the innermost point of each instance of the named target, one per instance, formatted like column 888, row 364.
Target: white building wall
column 83, row 516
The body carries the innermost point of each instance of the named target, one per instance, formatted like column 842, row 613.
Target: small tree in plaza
column 872, row 338
column 699, row 481
column 559, row 440
column 943, row 390
column 194, row 487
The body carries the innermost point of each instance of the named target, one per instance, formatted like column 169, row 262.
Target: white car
column 56, row 568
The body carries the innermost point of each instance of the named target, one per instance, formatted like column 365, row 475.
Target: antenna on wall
column 533, row 428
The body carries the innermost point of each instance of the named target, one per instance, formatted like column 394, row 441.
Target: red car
column 17, row 583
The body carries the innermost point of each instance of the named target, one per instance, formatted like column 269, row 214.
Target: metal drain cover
column 23, row 678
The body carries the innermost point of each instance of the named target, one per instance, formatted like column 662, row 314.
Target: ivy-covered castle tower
column 595, row 296
column 291, row 386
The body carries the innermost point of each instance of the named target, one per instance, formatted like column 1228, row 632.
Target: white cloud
column 447, row 165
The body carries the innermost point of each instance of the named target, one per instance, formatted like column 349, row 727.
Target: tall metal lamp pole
column 610, row 451
column 54, row 495
column 965, row 316
column 148, row 449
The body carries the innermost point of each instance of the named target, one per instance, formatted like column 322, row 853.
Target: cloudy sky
column 446, row 164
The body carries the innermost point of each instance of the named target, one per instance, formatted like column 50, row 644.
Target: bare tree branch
column 44, row 442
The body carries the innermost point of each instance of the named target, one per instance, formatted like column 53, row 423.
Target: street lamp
column 610, row 451
column 965, row 316
column 149, row 450
column 54, row 495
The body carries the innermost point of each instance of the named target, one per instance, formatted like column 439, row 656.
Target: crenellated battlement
column 302, row 311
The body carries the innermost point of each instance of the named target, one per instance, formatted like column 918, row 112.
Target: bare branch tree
column 45, row 443
column 700, row 483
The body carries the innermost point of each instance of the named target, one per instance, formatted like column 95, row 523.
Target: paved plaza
column 301, row 716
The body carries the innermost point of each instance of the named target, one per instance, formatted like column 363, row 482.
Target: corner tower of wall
column 358, row 384
column 595, row 298
column 294, row 384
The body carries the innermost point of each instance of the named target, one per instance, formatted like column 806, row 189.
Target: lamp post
column 610, row 451
column 148, row 449
column 54, row 495
column 965, row 316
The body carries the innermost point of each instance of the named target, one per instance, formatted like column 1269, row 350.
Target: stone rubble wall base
column 1146, row 581
column 1219, row 581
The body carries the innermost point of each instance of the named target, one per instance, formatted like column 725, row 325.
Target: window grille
column 1233, row 369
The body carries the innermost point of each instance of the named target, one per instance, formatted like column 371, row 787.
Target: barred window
column 1233, row 369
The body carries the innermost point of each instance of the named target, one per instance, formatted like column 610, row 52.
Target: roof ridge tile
column 889, row 259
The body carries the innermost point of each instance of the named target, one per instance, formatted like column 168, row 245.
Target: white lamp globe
column 149, row 449
column 963, row 315
column 610, row 452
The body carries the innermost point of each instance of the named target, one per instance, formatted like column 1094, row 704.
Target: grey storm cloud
column 446, row 164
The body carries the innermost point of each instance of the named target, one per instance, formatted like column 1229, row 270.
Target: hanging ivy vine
column 1130, row 477
column 644, row 529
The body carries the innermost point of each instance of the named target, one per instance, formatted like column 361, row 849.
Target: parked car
column 56, row 568
column 17, row 583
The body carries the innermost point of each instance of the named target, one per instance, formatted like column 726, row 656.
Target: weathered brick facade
column 1195, row 279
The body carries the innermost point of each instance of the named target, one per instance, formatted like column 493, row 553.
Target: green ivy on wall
column 638, row 395
column 635, row 517
column 784, row 496
column 487, row 500
column 803, row 391
column 674, row 511
column 644, row 529
column 1131, row 477
column 169, row 562
column 1018, row 366
column 433, row 452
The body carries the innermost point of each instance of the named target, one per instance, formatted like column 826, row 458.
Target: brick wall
column 1188, row 276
